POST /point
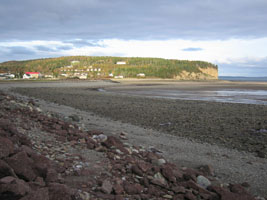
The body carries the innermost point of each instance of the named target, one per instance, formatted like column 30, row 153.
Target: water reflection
column 231, row 96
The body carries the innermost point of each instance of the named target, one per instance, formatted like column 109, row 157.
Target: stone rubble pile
column 36, row 162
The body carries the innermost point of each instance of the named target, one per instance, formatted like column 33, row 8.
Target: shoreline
column 232, row 165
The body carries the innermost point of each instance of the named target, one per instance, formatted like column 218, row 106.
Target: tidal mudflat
column 242, row 126
column 230, row 137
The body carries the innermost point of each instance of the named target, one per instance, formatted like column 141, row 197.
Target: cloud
column 192, row 49
column 19, row 50
column 83, row 43
column 126, row 19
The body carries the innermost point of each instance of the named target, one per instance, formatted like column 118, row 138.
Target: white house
column 29, row 75
column 75, row 62
column 118, row 77
column 121, row 63
column 141, row 75
column 83, row 76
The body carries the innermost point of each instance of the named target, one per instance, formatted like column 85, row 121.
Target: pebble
column 159, row 162
column 203, row 182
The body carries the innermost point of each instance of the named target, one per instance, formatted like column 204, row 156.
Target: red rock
column 119, row 197
column 52, row 175
column 6, row 147
column 39, row 194
column 7, row 180
column 179, row 197
column 144, row 166
column 153, row 191
column 190, row 196
column 39, row 182
column 193, row 185
column 145, row 182
column 245, row 184
column 14, row 190
column 115, row 142
column 133, row 188
column 106, row 187
column 168, row 173
column 190, row 174
column 178, row 174
column 227, row 195
column 6, row 170
column 118, row 189
column 136, row 170
column 41, row 164
column 21, row 139
column 27, row 149
column 112, row 142
column 95, row 132
column 91, row 144
column 22, row 166
column 207, row 170
column 152, row 156
column 237, row 188
column 178, row 189
column 59, row 192
column 62, row 132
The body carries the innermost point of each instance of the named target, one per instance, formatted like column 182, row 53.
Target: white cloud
column 217, row 51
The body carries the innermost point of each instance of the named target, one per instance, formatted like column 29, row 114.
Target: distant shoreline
column 243, row 78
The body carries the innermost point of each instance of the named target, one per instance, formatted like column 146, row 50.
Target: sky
column 231, row 33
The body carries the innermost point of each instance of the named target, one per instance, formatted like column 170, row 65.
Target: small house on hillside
column 121, row 63
column 141, row 75
column 75, row 62
column 29, row 75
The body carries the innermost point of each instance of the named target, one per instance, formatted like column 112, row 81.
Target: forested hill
column 118, row 66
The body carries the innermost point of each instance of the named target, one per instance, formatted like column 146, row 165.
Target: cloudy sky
column 229, row 33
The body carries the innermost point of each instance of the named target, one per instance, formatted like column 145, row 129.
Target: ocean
column 241, row 78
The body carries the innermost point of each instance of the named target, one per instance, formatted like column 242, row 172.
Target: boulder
column 41, row 164
column 133, row 188
column 6, row 147
column 207, row 170
column 59, row 192
column 39, row 194
column 167, row 172
column 106, row 187
column 118, row 189
column 203, row 182
column 13, row 188
column 6, row 170
column 52, row 175
column 225, row 194
column 159, row 180
column 22, row 166
column 136, row 170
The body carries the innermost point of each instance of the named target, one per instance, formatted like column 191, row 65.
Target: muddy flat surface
column 188, row 132
column 239, row 126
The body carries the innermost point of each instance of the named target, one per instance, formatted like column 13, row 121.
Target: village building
column 31, row 75
column 75, row 62
column 141, row 75
column 118, row 77
column 121, row 63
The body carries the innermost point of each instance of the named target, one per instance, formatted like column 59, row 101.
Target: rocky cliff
column 209, row 73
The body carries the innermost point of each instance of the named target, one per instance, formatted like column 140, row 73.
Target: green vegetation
column 151, row 67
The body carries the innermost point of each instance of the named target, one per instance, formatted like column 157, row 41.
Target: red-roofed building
column 29, row 75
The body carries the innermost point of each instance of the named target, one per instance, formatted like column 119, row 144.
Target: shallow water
column 231, row 96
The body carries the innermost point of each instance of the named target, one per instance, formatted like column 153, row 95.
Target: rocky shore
column 239, row 126
column 44, row 156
